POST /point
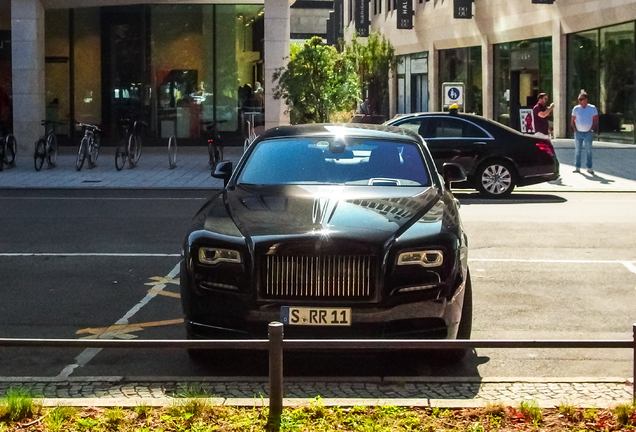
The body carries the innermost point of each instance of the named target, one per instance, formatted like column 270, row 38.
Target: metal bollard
column 275, row 331
column 634, row 365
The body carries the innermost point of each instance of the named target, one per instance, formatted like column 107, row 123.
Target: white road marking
column 549, row 261
column 87, row 254
column 89, row 353
column 631, row 267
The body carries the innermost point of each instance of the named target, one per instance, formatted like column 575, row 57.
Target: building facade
column 512, row 50
column 177, row 66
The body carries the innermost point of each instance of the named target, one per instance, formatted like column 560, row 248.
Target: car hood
column 362, row 212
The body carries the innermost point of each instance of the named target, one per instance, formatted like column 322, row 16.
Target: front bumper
column 432, row 319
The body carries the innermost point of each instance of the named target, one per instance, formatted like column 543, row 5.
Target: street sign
column 463, row 9
column 362, row 18
column 405, row 15
column 453, row 94
column 543, row 1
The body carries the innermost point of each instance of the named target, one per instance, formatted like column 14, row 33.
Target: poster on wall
column 527, row 121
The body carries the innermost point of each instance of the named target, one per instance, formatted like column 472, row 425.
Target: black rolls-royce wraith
column 338, row 231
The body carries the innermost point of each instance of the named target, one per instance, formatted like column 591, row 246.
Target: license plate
column 315, row 316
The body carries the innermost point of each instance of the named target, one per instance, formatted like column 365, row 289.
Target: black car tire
column 495, row 179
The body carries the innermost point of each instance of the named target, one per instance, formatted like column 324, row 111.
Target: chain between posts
column 276, row 343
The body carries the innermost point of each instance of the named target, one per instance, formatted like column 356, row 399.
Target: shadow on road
column 537, row 198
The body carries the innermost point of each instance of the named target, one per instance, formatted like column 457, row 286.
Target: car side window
column 446, row 127
column 411, row 124
column 418, row 125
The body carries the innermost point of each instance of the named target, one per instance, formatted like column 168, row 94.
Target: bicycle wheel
column 93, row 150
column 132, row 147
column 121, row 154
column 172, row 151
column 81, row 153
column 135, row 149
column 40, row 154
column 51, row 149
column 11, row 149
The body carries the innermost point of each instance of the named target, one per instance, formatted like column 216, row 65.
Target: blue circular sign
column 453, row 93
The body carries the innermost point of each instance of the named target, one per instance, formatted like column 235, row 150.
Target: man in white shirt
column 584, row 123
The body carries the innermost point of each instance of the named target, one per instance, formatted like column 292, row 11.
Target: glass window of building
column 6, row 106
column 463, row 65
column 179, row 68
column 412, row 83
column 522, row 70
column 601, row 62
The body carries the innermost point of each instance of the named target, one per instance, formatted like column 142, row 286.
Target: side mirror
column 223, row 170
column 452, row 173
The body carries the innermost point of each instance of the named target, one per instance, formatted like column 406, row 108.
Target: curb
column 337, row 379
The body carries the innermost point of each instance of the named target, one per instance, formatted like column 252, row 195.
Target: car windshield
column 356, row 161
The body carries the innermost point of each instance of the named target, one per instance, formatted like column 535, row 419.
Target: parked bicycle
column 251, row 135
column 172, row 151
column 215, row 145
column 129, row 147
column 46, row 147
column 8, row 150
column 89, row 146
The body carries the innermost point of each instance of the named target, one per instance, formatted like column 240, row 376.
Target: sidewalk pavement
column 615, row 172
column 447, row 392
column 614, row 166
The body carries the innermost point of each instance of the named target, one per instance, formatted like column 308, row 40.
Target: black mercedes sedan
column 337, row 231
column 495, row 157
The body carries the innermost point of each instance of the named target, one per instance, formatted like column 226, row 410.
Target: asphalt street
column 103, row 263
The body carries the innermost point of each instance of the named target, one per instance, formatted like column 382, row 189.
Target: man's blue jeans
column 581, row 138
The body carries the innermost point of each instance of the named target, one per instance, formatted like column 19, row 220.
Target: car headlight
column 426, row 258
column 216, row 255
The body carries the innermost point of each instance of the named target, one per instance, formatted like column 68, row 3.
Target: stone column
column 276, row 55
column 433, row 79
column 27, row 51
column 559, row 79
column 487, row 94
column 392, row 82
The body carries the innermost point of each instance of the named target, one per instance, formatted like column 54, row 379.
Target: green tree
column 317, row 81
column 374, row 59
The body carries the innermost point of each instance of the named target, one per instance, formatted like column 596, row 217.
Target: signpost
column 453, row 93
column 405, row 15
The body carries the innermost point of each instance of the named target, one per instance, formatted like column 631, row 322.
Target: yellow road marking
column 123, row 331
column 159, row 280
column 165, row 293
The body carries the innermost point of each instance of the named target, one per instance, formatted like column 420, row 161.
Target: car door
column 456, row 140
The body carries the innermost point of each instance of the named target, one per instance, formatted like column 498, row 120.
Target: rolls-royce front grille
column 319, row 277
